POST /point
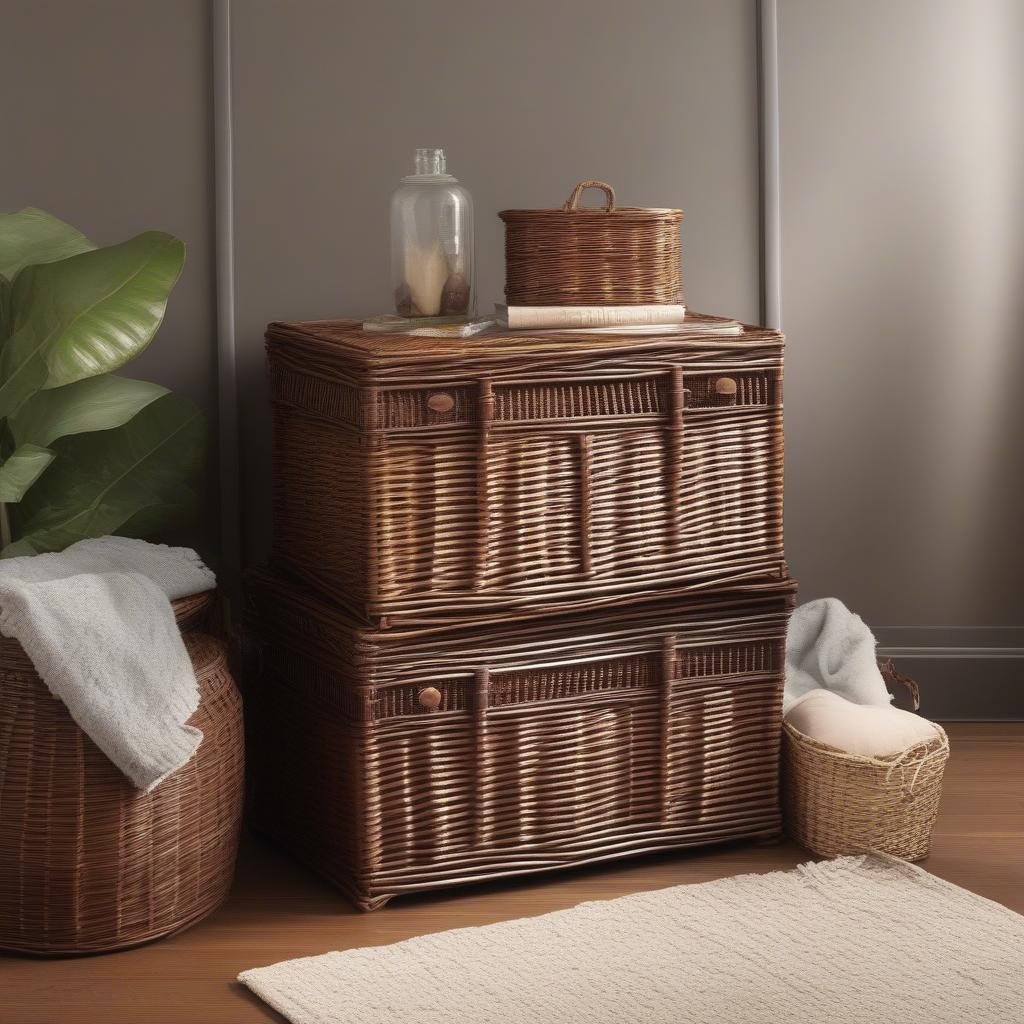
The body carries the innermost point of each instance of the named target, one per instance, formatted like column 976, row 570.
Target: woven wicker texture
column 87, row 862
column 544, row 472
column 838, row 803
column 418, row 757
column 579, row 256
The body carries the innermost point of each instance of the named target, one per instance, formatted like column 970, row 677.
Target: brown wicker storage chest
column 425, row 756
column 421, row 477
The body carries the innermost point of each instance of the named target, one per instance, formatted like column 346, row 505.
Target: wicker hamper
column 420, row 757
column 424, row 477
column 87, row 862
column 838, row 803
column 580, row 256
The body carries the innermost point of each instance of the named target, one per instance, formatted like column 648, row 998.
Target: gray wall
column 658, row 98
column 902, row 142
column 107, row 125
column 903, row 228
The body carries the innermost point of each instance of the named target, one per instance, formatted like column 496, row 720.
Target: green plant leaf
column 18, row 548
column 33, row 236
column 97, row 403
column 29, row 376
column 86, row 315
column 5, row 308
column 21, row 470
column 145, row 471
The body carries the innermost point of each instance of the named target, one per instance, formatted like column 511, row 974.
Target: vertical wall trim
column 771, row 193
column 224, row 212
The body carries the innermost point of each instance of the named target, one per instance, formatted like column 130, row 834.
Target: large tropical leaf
column 33, row 236
column 21, row 470
column 86, row 315
column 5, row 308
column 146, row 471
column 97, row 403
column 28, row 376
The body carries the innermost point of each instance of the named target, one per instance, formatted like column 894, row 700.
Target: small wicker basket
column 839, row 803
column 610, row 256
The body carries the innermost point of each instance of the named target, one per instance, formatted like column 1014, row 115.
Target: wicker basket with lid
column 580, row 256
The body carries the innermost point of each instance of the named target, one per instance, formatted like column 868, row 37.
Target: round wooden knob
column 430, row 698
column 440, row 401
column 725, row 386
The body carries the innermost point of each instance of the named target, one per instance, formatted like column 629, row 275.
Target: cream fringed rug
column 859, row 940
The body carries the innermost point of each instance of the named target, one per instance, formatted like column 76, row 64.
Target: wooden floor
column 278, row 911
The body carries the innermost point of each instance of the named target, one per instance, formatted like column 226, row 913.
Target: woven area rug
column 859, row 940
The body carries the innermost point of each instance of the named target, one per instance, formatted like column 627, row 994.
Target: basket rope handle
column 573, row 202
column 889, row 673
column 900, row 765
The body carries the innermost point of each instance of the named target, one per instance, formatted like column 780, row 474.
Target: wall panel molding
column 224, row 235
column 771, row 193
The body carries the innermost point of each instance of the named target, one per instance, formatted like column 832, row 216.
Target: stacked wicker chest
column 526, row 604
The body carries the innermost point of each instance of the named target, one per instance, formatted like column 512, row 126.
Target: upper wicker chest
column 418, row 478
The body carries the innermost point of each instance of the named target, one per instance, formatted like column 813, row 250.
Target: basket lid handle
column 573, row 202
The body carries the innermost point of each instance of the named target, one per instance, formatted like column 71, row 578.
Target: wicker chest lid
column 342, row 342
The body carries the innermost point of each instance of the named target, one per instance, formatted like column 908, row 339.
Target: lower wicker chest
column 425, row 756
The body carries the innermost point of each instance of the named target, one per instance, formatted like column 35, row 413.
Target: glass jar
column 432, row 242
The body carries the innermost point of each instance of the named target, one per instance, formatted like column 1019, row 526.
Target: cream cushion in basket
column 868, row 730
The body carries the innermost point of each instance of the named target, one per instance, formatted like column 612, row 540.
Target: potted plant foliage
column 84, row 452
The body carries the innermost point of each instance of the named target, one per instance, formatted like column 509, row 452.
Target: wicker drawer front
column 646, row 398
column 416, row 759
column 488, row 494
